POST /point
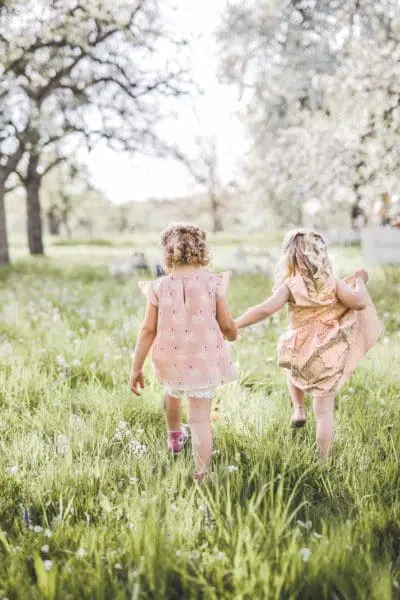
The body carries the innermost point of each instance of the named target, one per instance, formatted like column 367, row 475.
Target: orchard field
column 91, row 505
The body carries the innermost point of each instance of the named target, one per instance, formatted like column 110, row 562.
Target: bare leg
column 173, row 410
column 299, row 412
column 199, row 410
column 323, row 410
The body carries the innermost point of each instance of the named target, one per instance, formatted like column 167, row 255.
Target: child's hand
column 136, row 380
column 362, row 274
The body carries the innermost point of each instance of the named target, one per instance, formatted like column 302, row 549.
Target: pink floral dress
column 189, row 352
column 326, row 339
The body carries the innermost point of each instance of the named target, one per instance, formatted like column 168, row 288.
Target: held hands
column 136, row 380
column 362, row 274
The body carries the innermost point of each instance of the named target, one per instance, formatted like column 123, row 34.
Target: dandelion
column 305, row 554
column 13, row 470
column 75, row 421
column 62, row 444
column 45, row 548
column 37, row 529
column 47, row 564
column 232, row 468
column 81, row 553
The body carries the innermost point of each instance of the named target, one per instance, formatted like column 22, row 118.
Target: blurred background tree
column 320, row 89
column 81, row 73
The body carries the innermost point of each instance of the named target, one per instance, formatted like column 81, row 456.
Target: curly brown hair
column 184, row 245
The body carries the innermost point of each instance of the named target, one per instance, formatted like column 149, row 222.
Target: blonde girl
column 333, row 324
column 186, row 321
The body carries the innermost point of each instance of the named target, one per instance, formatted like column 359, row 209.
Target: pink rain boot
column 177, row 440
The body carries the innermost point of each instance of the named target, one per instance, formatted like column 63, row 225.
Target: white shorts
column 207, row 393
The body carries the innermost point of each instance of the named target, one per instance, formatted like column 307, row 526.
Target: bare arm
column 355, row 298
column 262, row 311
column 225, row 320
column 146, row 337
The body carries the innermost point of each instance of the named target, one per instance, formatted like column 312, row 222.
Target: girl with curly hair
column 186, row 322
column 333, row 324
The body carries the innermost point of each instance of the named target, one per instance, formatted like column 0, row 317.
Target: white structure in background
column 342, row 237
column 381, row 245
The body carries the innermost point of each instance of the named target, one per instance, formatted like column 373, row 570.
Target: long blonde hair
column 305, row 252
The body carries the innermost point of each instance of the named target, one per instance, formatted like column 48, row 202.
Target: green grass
column 85, row 463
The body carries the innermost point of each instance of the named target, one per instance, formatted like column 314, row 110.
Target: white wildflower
column 136, row 448
column 232, row 468
column 305, row 554
column 220, row 556
column 48, row 533
column 47, row 564
column 75, row 421
column 37, row 529
column 317, row 536
column 81, row 552
column 62, row 444
column 45, row 548
column 76, row 362
column 396, row 584
column 133, row 480
column 118, row 566
column 13, row 470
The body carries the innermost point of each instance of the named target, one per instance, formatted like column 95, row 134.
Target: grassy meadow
column 91, row 505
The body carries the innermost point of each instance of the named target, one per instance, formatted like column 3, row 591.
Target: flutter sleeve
column 148, row 289
column 223, row 280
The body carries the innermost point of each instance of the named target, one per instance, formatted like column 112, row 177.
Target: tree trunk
column 216, row 219
column 4, row 253
column 34, row 217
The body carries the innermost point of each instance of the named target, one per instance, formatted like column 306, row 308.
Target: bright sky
column 124, row 178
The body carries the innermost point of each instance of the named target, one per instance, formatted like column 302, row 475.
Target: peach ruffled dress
column 326, row 339
column 189, row 352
